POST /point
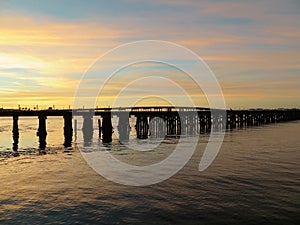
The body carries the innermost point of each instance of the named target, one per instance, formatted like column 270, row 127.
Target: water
column 254, row 180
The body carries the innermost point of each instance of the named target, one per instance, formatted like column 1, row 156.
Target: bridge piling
column 142, row 127
column 42, row 132
column 15, row 132
column 99, row 128
column 75, row 129
column 157, row 127
column 68, row 130
column 123, row 127
column 87, row 129
column 106, row 128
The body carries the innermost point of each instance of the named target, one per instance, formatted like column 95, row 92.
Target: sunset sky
column 253, row 47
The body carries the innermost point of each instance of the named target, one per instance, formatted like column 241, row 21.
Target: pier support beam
column 173, row 124
column 142, row 127
column 42, row 132
column 75, row 129
column 183, row 130
column 208, row 122
column 191, row 124
column 87, row 129
column 106, row 128
column 123, row 127
column 157, row 127
column 202, row 122
column 99, row 128
column 68, row 130
column 15, row 132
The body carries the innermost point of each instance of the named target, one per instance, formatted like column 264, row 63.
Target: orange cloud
column 22, row 30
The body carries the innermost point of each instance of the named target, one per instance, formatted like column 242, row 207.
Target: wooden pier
column 156, row 122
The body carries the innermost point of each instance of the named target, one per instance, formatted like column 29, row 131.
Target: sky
column 252, row 47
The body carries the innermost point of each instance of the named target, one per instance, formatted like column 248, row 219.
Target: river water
column 255, row 179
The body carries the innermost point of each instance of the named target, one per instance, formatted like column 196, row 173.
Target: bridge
column 157, row 122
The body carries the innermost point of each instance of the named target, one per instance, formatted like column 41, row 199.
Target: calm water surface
column 255, row 179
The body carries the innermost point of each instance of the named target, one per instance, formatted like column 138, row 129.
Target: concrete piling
column 42, row 131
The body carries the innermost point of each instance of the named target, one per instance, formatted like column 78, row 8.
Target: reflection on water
column 28, row 134
column 25, row 135
column 254, row 180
